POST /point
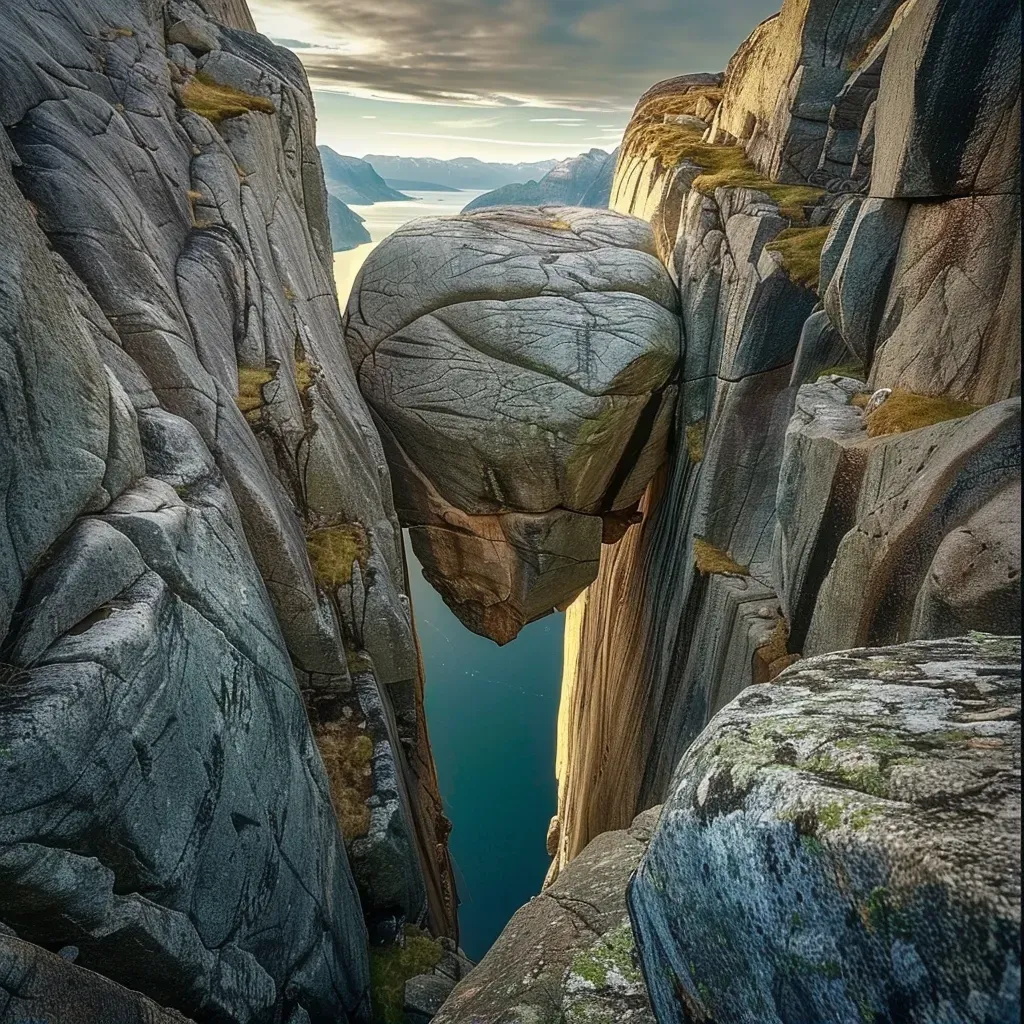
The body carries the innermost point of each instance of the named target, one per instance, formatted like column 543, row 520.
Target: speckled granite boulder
column 567, row 956
column 519, row 364
column 844, row 845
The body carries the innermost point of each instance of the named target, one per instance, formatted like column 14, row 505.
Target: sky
column 507, row 80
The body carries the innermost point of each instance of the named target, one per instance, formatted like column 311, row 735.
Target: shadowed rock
column 519, row 363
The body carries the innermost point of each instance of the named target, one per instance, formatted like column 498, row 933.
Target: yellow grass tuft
column 250, row 389
column 903, row 411
column 861, row 399
column 800, row 249
column 695, row 433
column 347, row 752
column 305, row 375
column 334, row 550
column 217, row 102
column 710, row 560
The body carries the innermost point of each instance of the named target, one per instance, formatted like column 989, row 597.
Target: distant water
column 492, row 711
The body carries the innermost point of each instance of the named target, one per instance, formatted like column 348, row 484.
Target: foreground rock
column 567, row 955
column 844, row 845
column 519, row 363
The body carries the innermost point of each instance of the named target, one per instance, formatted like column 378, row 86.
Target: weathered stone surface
column 180, row 429
column 567, row 955
column 36, row 985
column 858, row 289
column 951, row 321
column 781, row 84
column 523, row 384
column 158, row 768
column 844, row 844
column 916, row 488
column 947, row 121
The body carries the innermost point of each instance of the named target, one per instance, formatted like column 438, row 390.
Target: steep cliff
column 208, row 656
column 795, row 517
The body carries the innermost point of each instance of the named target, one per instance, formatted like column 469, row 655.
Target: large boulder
column 567, row 955
column 844, row 845
column 519, row 363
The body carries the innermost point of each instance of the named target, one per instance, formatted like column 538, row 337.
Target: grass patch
column 392, row 966
column 695, row 434
column 723, row 166
column 854, row 370
column 347, row 752
column 710, row 560
column 250, row 389
column 305, row 375
column 217, row 102
column 903, row 411
column 334, row 550
column 800, row 249
column 668, row 105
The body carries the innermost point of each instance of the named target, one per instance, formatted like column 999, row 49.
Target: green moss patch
column 695, row 436
column 800, row 249
column 250, row 389
column 392, row 966
column 347, row 752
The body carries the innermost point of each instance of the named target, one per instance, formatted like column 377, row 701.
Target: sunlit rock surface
column 568, row 955
column 844, row 845
column 520, row 364
column 837, row 230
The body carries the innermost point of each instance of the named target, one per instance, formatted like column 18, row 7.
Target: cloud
column 474, row 138
column 470, row 122
column 586, row 55
column 559, row 120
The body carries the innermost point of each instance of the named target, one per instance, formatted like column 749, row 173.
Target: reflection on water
column 491, row 710
column 492, row 713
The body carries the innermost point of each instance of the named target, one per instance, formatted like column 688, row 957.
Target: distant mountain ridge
column 584, row 180
column 355, row 181
column 461, row 172
column 347, row 230
column 406, row 185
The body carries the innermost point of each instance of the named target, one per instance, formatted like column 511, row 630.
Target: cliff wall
column 208, row 657
column 793, row 517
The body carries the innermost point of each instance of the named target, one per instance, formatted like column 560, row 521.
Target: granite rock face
column 833, row 236
column 520, row 364
column 568, row 955
column 844, row 845
column 200, row 558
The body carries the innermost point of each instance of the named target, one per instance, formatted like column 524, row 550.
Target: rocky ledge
column 844, row 845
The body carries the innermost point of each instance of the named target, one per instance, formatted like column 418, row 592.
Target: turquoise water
column 492, row 714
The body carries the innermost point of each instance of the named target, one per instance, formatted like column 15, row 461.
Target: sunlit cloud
column 476, row 138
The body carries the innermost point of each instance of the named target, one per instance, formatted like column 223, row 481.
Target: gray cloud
column 577, row 54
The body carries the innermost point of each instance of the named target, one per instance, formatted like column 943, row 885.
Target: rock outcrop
column 567, row 955
column 520, row 366
column 346, row 226
column 844, row 845
column 208, row 661
column 584, row 180
column 909, row 288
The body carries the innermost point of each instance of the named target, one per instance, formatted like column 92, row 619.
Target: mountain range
column 355, row 181
column 461, row 172
column 584, row 180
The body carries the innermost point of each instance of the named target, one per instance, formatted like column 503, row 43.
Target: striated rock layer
column 794, row 518
column 199, row 559
column 520, row 364
column 844, row 845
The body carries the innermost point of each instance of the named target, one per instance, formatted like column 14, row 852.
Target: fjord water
column 491, row 711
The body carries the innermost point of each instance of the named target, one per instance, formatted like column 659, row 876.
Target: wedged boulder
column 844, row 845
column 519, row 363
column 947, row 120
column 567, row 955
